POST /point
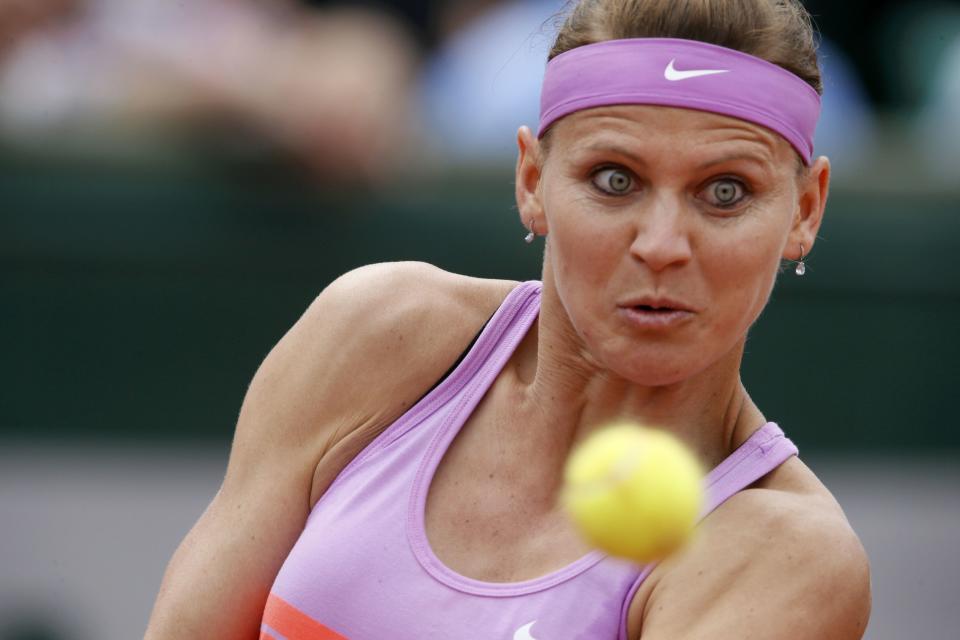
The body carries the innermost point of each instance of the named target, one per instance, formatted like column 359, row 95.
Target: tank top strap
column 496, row 342
column 499, row 339
column 762, row 452
column 765, row 450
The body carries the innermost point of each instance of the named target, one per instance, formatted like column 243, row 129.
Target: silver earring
column 530, row 236
column 801, row 268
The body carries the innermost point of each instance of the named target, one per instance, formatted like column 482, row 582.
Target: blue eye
column 725, row 192
column 615, row 182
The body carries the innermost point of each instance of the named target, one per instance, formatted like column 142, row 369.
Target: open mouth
column 646, row 307
column 653, row 316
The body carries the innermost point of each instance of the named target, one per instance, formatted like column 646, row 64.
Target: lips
column 655, row 313
column 655, row 304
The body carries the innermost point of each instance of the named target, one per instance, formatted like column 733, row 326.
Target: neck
column 563, row 390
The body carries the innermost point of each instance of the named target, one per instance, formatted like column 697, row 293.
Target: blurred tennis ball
column 633, row 492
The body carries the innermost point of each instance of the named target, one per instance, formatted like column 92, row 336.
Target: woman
column 670, row 177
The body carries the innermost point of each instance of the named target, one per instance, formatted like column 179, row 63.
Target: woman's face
column 666, row 228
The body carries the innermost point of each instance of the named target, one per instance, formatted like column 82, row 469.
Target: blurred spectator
column 19, row 18
column 939, row 123
column 855, row 27
column 330, row 86
column 924, row 59
column 847, row 128
column 484, row 81
column 419, row 15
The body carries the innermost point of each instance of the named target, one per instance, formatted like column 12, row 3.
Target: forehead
column 672, row 130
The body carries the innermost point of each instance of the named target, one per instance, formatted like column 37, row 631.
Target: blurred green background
column 138, row 300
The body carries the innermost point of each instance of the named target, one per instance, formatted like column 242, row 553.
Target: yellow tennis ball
column 633, row 492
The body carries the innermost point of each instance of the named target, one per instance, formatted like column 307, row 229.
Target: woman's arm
column 363, row 352
column 770, row 565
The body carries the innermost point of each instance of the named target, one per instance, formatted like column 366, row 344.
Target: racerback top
column 363, row 568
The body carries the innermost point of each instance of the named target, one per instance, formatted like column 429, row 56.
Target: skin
column 777, row 561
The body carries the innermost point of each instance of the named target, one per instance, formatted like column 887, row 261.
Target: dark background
column 144, row 314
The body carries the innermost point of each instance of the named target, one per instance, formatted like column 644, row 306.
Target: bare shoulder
column 389, row 330
column 370, row 345
column 778, row 560
column 365, row 349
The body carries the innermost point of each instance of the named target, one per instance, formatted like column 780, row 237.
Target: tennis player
column 396, row 462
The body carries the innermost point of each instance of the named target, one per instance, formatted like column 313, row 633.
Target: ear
column 529, row 171
column 813, row 191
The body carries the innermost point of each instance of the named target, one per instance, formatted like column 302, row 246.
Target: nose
column 662, row 238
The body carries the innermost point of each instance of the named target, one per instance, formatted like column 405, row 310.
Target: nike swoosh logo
column 523, row 633
column 673, row 74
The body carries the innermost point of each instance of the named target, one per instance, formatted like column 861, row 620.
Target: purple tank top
column 363, row 568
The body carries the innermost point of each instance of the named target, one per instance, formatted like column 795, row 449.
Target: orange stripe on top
column 293, row 623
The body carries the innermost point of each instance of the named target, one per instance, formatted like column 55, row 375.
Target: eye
column 613, row 181
column 725, row 193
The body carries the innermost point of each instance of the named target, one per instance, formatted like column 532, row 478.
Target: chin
column 655, row 370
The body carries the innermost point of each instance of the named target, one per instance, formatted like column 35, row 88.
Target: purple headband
column 681, row 73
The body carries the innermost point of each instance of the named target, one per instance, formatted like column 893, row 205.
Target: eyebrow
column 612, row 147
column 766, row 162
column 617, row 149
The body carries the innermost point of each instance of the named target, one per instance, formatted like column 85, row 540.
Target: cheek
column 743, row 268
column 583, row 244
column 584, row 248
